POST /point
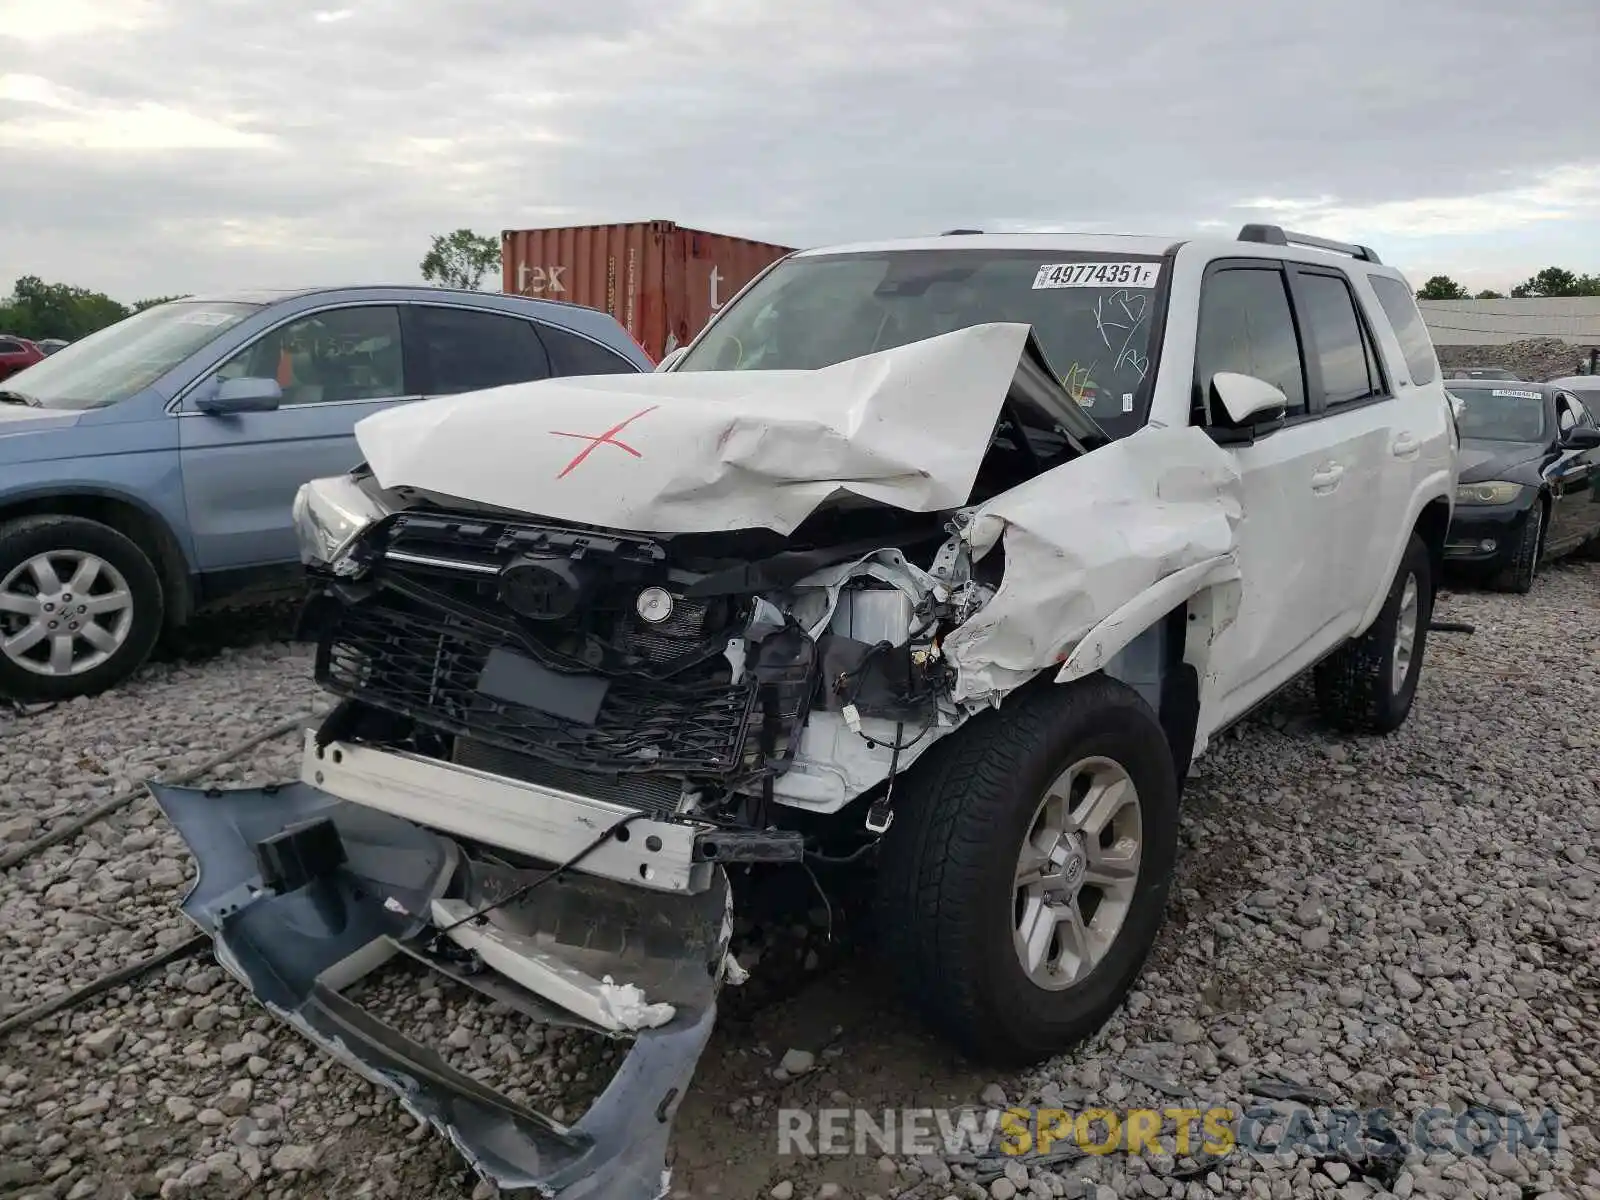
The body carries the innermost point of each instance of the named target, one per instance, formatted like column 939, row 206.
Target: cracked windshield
column 1093, row 316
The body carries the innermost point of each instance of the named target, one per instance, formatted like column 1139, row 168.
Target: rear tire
column 1518, row 575
column 951, row 902
column 1369, row 683
column 81, row 607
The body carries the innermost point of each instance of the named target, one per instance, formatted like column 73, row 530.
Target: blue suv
column 151, row 468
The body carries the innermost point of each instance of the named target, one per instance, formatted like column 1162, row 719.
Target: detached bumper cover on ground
column 298, row 947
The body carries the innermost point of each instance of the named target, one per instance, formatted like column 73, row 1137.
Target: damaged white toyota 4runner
column 943, row 555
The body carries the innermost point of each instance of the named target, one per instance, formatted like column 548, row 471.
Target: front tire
column 1369, row 683
column 1517, row 575
column 1024, row 880
column 81, row 607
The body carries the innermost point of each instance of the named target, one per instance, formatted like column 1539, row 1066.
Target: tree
column 38, row 309
column 1488, row 294
column 460, row 259
column 1441, row 287
column 141, row 305
column 1558, row 281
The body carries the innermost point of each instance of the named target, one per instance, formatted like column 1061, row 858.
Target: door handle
column 1404, row 446
column 1327, row 478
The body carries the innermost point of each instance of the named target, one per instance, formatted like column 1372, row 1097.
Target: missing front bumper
column 337, row 914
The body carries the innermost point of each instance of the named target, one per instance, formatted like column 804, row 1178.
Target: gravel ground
column 1405, row 922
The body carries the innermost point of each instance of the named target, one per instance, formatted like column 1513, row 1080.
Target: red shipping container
column 661, row 281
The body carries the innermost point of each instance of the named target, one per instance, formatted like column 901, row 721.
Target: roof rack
column 1276, row 235
column 954, row 232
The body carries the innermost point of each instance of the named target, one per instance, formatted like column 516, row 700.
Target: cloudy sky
column 157, row 146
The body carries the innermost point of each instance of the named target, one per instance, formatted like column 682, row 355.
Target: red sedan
column 16, row 353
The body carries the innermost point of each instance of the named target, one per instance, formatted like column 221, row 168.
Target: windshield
column 123, row 359
column 1501, row 414
column 1092, row 314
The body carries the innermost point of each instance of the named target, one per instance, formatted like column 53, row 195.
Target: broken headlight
column 329, row 515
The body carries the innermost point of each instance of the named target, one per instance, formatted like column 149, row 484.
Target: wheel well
column 147, row 532
column 1154, row 665
column 1432, row 525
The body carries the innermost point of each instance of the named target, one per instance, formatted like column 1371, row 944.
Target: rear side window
column 574, row 355
column 469, row 350
column 7, row 346
column 1246, row 326
column 1401, row 309
column 1338, row 339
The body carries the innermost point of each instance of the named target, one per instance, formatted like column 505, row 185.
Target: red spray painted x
column 608, row 438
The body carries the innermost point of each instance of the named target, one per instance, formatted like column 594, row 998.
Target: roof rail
column 954, row 232
column 1276, row 235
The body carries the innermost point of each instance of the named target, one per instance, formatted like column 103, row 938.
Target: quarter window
column 574, row 355
column 1338, row 339
column 339, row 354
column 1246, row 326
column 1401, row 308
column 470, row 350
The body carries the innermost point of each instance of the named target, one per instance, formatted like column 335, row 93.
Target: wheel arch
column 1431, row 526
column 129, row 517
column 1160, row 644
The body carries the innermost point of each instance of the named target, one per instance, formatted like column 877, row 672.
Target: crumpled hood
column 695, row 452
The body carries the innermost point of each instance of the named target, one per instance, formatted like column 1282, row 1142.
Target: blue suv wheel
column 80, row 607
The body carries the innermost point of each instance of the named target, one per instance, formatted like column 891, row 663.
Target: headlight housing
column 329, row 515
column 1496, row 492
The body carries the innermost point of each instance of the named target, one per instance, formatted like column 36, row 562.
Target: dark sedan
column 1530, row 478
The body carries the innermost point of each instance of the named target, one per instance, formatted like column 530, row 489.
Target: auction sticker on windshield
column 1102, row 274
column 1517, row 395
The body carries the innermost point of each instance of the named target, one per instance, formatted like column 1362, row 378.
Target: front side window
column 1400, row 306
column 1246, row 326
column 1566, row 414
column 1508, row 414
column 469, row 350
column 123, row 359
column 337, row 355
column 1328, row 314
column 1093, row 314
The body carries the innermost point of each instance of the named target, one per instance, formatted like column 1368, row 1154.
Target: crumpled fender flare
column 1115, row 631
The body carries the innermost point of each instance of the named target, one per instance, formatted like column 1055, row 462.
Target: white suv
column 946, row 555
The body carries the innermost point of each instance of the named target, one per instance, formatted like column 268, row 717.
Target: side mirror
column 667, row 363
column 243, row 395
column 1584, row 437
column 1252, row 406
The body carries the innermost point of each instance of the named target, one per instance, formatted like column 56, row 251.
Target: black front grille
column 661, row 643
column 425, row 665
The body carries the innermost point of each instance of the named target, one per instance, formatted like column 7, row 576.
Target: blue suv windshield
column 124, row 359
column 1093, row 313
